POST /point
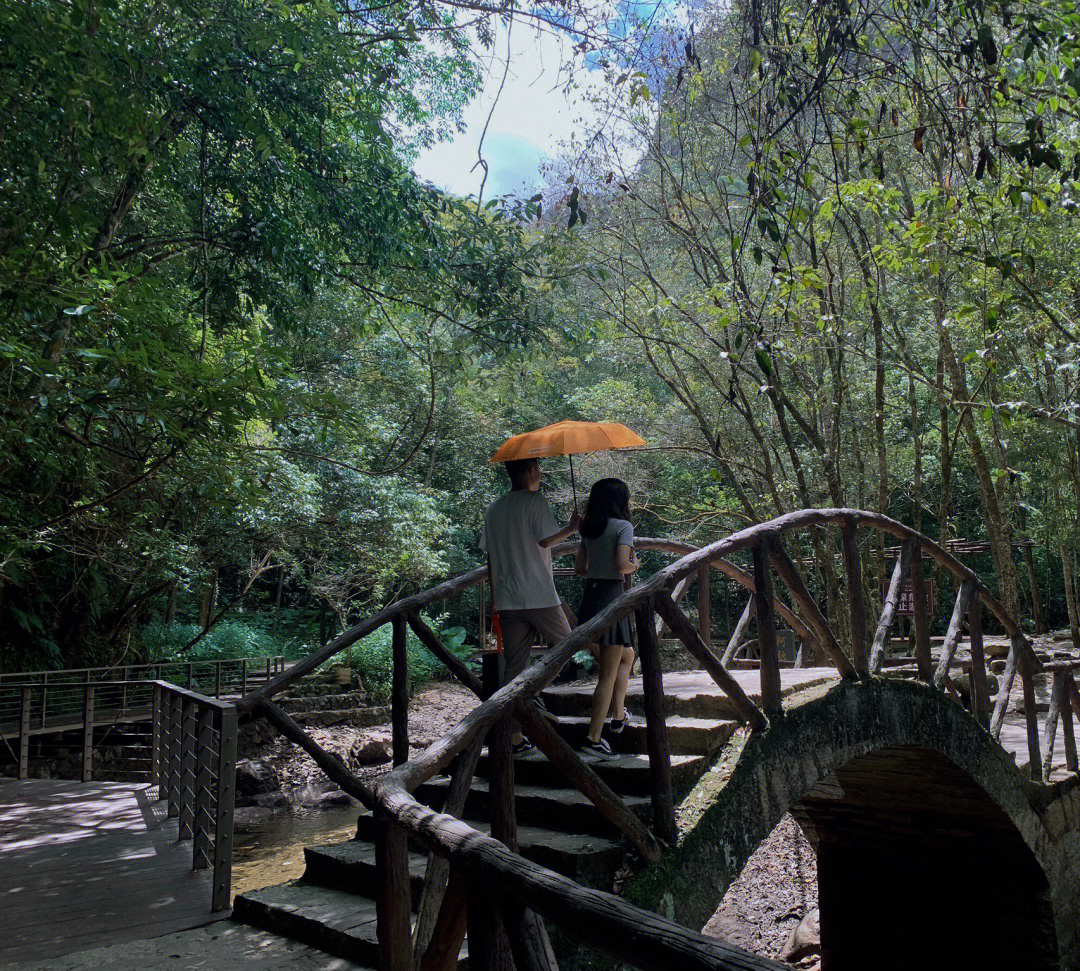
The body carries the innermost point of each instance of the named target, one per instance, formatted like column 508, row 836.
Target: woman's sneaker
column 615, row 726
column 598, row 750
column 523, row 748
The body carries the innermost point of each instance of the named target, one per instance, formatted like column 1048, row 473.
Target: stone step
column 576, row 701
column 589, row 859
column 340, row 923
column 566, row 810
column 350, row 866
column 357, row 717
column 627, row 774
column 690, row 693
column 686, row 735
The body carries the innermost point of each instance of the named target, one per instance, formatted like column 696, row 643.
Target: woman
column 606, row 557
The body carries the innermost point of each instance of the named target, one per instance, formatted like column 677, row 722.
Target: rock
column 804, row 940
column 372, row 749
column 251, row 819
column 997, row 666
column 270, row 800
column 333, row 799
column 253, row 778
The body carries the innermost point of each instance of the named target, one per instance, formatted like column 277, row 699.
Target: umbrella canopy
column 568, row 438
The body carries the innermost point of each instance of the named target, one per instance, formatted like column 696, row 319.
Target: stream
column 275, row 853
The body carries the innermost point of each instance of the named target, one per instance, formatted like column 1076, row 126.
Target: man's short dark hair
column 517, row 469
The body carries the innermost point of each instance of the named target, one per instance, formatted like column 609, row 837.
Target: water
column 275, row 854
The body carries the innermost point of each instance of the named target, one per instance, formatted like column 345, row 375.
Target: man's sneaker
column 524, row 747
column 598, row 750
column 616, row 725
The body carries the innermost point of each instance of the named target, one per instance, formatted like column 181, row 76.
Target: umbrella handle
column 573, row 484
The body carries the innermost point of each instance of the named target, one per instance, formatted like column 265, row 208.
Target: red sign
column 906, row 606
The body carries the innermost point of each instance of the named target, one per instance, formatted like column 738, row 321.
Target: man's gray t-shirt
column 600, row 552
column 514, row 525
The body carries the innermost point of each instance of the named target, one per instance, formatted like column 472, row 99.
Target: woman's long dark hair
column 608, row 499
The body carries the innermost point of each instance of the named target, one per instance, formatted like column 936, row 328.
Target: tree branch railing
column 526, row 894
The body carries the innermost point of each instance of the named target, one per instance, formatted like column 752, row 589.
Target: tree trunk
column 209, row 599
column 1070, row 595
column 997, row 523
column 170, row 604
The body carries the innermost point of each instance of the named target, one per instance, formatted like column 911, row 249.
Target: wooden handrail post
column 243, row 677
column 394, row 921
column 24, row 731
column 815, row 619
column 888, row 609
column 739, row 633
column 431, row 641
column 856, row 603
column 442, row 946
column 920, row 615
column 187, row 768
column 1067, row 712
column 190, row 667
column 684, row 631
column 980, row 694
column 88, row 733
column 656, row 736
column 529, row 942
column 481, row 637
column 704, row 604
column 501, row 784
column 223, row 815
column 1053, row 716
column 399, row 698
column 200, row 850
column 489, row 949
column 1031, row 715
column 436, row 877
column 952, row 635
column 1001, row 705
column 217, row 681
column 766, row 623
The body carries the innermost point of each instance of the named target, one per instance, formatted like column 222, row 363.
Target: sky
column 533, row 115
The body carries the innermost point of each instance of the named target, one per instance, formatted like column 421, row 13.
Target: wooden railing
column 509, row 896
column 28, row 710
column 193, row 764
column 231, row 676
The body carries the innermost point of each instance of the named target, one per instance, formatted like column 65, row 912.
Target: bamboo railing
column 479, row 885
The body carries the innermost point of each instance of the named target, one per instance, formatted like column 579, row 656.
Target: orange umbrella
column 568, row 438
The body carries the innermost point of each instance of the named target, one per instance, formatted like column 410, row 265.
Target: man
column 519, row 531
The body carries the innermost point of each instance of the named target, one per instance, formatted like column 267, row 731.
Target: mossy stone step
column 566, row 810
column 589, row 859
column 686, row 735
column 628, row 774
column 340, row 923
column 350, row 866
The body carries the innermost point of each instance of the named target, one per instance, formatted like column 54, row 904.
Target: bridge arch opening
column 919, row 868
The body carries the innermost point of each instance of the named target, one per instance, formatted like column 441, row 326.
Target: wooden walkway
column 89, row 864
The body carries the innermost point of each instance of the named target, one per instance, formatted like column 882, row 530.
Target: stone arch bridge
column 945, row 830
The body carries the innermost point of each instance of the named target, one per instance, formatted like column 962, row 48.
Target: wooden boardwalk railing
column 36, row 703
column 194, row 767
column 499, row 898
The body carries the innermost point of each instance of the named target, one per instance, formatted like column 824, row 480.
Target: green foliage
column 373, row 660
